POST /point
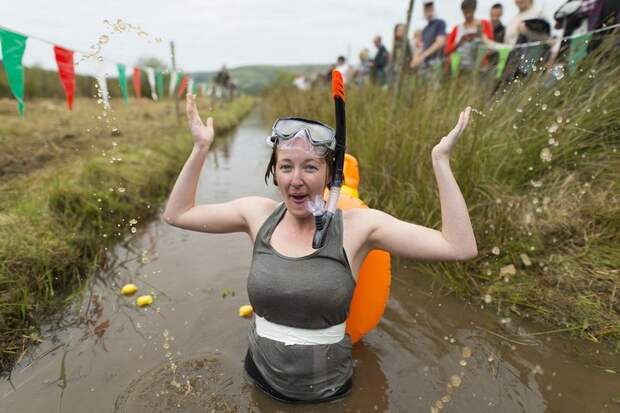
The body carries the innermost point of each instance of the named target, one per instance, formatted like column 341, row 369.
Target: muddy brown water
column 431, row 352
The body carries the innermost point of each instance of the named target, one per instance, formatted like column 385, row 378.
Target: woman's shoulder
column 257, row 205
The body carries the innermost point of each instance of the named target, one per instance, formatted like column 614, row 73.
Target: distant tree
column 154, row 62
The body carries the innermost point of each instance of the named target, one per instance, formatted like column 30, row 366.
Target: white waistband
column 292, row 335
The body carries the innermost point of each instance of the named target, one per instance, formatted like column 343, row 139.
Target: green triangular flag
column 501, row 60
column 159, row 81
column 122, row 80
column 578, row 50
column 481, row 53
column 455, row 63
column 13, row 47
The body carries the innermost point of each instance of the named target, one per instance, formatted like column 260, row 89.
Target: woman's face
column 300, row 176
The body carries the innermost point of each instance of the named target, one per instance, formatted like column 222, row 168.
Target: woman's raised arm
column 456, row 239
column 181, row 210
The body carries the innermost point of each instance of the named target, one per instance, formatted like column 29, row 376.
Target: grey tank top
column 311, row 292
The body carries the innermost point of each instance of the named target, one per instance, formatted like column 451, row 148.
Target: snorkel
column 322, row 218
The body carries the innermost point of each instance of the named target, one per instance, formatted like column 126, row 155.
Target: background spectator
column 467, row 36
column 343, row 67
column 433, row 37
column 400, row 36
column 380, row 62
column 499, row 30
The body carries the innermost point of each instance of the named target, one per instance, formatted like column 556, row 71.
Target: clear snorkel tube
column 323, row 217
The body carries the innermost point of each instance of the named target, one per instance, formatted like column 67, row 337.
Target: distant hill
column 253, row 79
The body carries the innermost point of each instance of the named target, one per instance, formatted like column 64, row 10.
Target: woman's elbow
column 465, row 254
column 170, row 219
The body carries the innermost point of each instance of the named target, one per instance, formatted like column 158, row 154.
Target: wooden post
column 174, row 69
column 400, row 64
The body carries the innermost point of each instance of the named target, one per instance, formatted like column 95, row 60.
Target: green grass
column 58, row 217
column 563, row 213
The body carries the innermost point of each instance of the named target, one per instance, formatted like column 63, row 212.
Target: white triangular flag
column 190, row 85
column 102, row 91
column 150, row 75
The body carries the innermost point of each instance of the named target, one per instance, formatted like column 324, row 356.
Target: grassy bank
column 540, row 171
column 73, row 184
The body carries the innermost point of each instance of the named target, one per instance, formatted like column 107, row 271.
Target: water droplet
column 495, row 251
column 545, row 155
column 559, row 119
column 557, row 93
column 553, row 128
column 519, row 110
column 455, row 381
column 463, row 363
column 103, row 39
column 487, row 298
column 466, row 352
column 536, row 184
column 544, row 106
column 121, row 25
column 121, row 189
column 133, row 230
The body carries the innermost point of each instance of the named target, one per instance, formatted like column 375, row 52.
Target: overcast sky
column 208, row 33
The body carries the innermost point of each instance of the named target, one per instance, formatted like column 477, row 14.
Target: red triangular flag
column 66, row 71
column 183, row 85
column 136, row 82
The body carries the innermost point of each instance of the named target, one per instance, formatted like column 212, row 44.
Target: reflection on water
column 185, row 352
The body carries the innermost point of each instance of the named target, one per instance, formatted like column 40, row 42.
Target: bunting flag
column 455, row 63
column 578, row 50
column 482, row 53
column 150, row 75
column 159, row 80
column 190, row 86
column 173, row 82
column 122, row 80
column 103, row 87
column 502, row 58
column 184, row 81
column 136, row 82
column 13, row 47
column 66, row 71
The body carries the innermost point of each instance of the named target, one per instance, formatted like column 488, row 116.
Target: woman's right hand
column 203, row 134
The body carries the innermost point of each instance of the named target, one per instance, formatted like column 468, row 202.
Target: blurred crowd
column 481, row 44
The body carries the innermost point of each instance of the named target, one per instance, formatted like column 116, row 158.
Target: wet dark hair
column 271, row 166
column 469, row 5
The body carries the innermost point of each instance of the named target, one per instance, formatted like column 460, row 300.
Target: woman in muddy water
column 298, row 348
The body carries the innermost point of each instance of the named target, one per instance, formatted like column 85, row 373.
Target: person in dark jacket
column 379, row 63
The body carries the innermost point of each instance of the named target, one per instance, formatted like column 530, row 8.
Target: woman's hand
column 443, row 149
column 203, row 135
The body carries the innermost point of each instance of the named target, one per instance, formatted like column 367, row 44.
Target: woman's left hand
column 444, row 148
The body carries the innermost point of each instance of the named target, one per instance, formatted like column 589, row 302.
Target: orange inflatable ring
column 373, row 282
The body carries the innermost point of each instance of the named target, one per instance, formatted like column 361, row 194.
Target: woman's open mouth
column 299, row 199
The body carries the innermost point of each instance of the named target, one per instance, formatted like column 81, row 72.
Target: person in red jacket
column 467, row 37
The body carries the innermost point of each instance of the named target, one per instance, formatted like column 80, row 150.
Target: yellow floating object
column 245, row 310
column 144, row 300
column 129, row 289
column 373, row 282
